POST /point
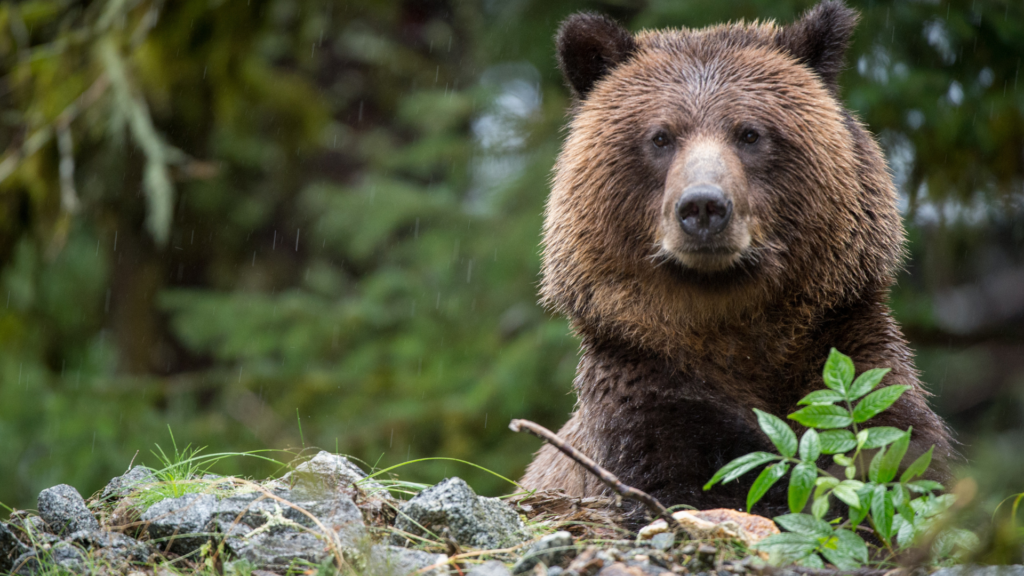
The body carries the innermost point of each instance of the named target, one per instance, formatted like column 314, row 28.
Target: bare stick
column 605, row 476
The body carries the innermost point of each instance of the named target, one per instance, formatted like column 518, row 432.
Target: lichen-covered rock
column 272, row 534
column 114, row 548
column 327, row 471
column 10, row 548
column 550, row 550
column 181, row 521
column 396, row 561
column 64, row 510
column 130, row 480
column 472, row 520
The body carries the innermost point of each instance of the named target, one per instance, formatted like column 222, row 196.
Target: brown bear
column 717, row 222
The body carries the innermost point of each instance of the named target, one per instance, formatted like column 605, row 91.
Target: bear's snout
column 703, row 211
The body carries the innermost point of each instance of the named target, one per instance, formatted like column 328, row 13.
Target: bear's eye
column 749, row 136
column 661, row 140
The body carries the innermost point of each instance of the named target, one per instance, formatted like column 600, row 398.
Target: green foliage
column 894, row 515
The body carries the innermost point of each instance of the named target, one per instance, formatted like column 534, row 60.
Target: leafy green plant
column 896, row 510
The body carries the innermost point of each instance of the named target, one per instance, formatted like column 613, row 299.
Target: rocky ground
column 325, row 517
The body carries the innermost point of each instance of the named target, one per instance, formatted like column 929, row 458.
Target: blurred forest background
column 232, row 216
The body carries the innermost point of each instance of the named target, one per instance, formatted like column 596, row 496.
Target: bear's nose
column 703, row 210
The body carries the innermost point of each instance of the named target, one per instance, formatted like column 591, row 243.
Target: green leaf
column 838, row 372
column 824, row 484
column 822, row 397
column 842, row 460
column 875, row 467
column 901, row 500
column 801, row 482
column 820, row 506
column 921, row 486
column 804, row 524
column 823, row 416
column 813, row 561
column 881, row 435
column 877, row 401
column 866, row 382
column 837, row 441
column 739, row 467
column 847, row 493
column 788, row 545
column 768, row 477
column 848, row 550
column 857, row 515
column 882, row 512
column 810, row 446
column 890, row 461
column 918, row 467
column 778, row 432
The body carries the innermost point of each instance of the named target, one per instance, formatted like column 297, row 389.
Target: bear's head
column 711, row 176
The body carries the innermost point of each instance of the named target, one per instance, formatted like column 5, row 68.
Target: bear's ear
column 820, row 39
column 590, row 46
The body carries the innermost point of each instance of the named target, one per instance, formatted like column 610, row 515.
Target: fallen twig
column 605, row 476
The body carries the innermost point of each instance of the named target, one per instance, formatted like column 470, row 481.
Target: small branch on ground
column 609, row 479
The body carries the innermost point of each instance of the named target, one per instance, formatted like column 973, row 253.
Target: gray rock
column 971, row 570
column 69, row 557
column 489, row 568
column 395, row 561
column 114, row 547
column 64, row 511
column 550, row 550
column 329, row 472
column 180, row 521
column 26, row 564
column 125, row 483
column 474, row 521
column 270, row 534
column 10, row 548
column 663, row 541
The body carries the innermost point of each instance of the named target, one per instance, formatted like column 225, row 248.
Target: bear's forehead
column 741, row 56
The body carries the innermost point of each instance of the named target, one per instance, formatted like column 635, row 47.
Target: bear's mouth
column 739, row 269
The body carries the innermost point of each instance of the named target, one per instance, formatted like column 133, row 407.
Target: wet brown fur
column 675, row 358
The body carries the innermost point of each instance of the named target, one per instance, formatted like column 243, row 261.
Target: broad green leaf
column 875, row 467
column 822, row 397
column 824, row 484
column 837, row 441
column 820, row 506
column 877, row 401
column 847, row 494
column 804, row 524
column 789, row 545
column 955, row 542
column 851, row 545
column 842, row 460
column 918, row 467
column 901, row 500
column 810, row 446
column 813, row 561
column 881, row 435
column 882, row 512
column 920, row 486
column 823, row 416
column 739, row 467
column 866, row 382
column 765, row 480
column 778, row 432
column 838, row 372
column 862, row 437
column 890, row 461
column 857, row 515
column 801, row 482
